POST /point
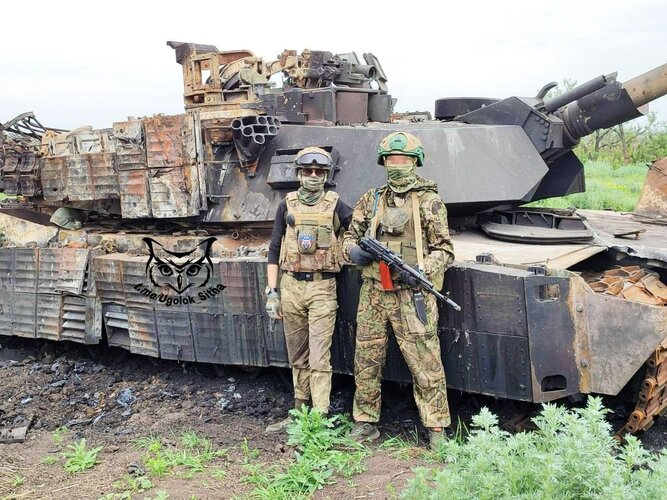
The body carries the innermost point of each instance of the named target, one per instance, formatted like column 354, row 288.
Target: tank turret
column 554, row 126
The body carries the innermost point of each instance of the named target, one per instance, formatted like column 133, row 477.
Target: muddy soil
column 111, row 398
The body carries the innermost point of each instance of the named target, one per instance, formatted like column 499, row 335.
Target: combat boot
column 364, row 431
column 439, row 435
column 282, row 425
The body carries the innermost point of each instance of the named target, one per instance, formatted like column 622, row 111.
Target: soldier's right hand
column 273, row 308
column 360, row 257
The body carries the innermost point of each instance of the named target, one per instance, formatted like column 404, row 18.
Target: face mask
column 311, row 189
column 312, row 183
column 401, row 178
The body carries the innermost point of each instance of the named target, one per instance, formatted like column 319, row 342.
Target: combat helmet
column 313, row 157
column 68, row 218
column 401, row 143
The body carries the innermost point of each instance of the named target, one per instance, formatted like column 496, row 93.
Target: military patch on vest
column 307, row 241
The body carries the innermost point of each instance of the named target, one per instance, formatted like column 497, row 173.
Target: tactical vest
column 395, row 227
column 310, row 244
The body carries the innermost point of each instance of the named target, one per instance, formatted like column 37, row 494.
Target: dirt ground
column 112, row 398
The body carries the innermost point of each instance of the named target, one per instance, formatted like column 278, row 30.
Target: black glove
column 360, row 257
column 408, row 279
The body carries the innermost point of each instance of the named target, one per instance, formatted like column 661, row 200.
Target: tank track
column 652, row 398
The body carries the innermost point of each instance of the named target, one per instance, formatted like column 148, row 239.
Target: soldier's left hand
column 273, row 308
column 408, row 279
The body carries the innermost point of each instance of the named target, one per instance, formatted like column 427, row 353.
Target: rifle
column 381, row 253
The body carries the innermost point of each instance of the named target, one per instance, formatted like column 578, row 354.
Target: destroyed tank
column 151, row 235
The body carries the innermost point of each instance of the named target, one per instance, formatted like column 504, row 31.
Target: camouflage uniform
column 419, row 343
column 309, row 307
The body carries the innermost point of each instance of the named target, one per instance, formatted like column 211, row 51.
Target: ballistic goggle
column 313, row 159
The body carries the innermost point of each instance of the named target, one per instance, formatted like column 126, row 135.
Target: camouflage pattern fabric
column 435, row 230
column 309, row 317
column 419, row 345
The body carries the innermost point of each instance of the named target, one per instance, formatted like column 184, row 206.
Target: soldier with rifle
column 408, row 219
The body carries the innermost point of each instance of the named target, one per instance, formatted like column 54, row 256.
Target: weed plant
column 133, row 484
column 403, row 448
column 572, row 454
column 249, row 454
column 18, row 480
column 607, row 188
column 59, row 435
column 128, row 486
column 159, row 495
column 193, row 454
column 322, row 450
column 78, row 458
column 49, row 460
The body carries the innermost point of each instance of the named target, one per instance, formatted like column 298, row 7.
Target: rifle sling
column 418, row 231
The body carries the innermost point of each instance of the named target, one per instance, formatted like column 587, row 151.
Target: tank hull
column 521, row 334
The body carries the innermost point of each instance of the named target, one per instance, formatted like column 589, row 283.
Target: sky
column 92, row 63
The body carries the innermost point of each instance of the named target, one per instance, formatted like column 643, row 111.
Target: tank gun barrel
column 613, row 104
column 648, row 86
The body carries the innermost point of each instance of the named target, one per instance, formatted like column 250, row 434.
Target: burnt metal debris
column 531, row 328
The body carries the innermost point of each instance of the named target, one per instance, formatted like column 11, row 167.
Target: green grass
column 403, row 448
column 323, row 450
column 572, row 454
column 159, row 495
column 78, row 458
column 59, row 435
column 132, row 484
column 190, row 458
column 249, row 454
column 18, row 480
column 607, row 188
column 49, row 460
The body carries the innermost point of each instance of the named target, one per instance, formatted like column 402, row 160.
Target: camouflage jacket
column 433, row 215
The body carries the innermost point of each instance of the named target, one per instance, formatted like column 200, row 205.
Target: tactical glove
column 273, row 308
column 360, row 257
column 408, row 279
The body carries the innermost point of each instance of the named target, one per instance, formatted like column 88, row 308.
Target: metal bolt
column 584, row 363
column 580, row 307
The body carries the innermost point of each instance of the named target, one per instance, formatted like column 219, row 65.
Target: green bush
column 572, row 454
column 322, row 450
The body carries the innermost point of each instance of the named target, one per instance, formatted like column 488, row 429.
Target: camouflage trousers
column 309, row 318
column 419, row 345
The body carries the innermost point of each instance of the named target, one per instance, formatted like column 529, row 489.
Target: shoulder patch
column 437, row 206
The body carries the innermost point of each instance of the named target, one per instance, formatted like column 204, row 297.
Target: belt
column 312, row 276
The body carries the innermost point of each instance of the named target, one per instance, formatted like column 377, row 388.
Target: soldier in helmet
column 407, row 215
column 305, row 245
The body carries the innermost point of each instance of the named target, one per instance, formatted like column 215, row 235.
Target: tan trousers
column 309, row 318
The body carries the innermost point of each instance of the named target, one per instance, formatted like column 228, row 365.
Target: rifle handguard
column 394, row 261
